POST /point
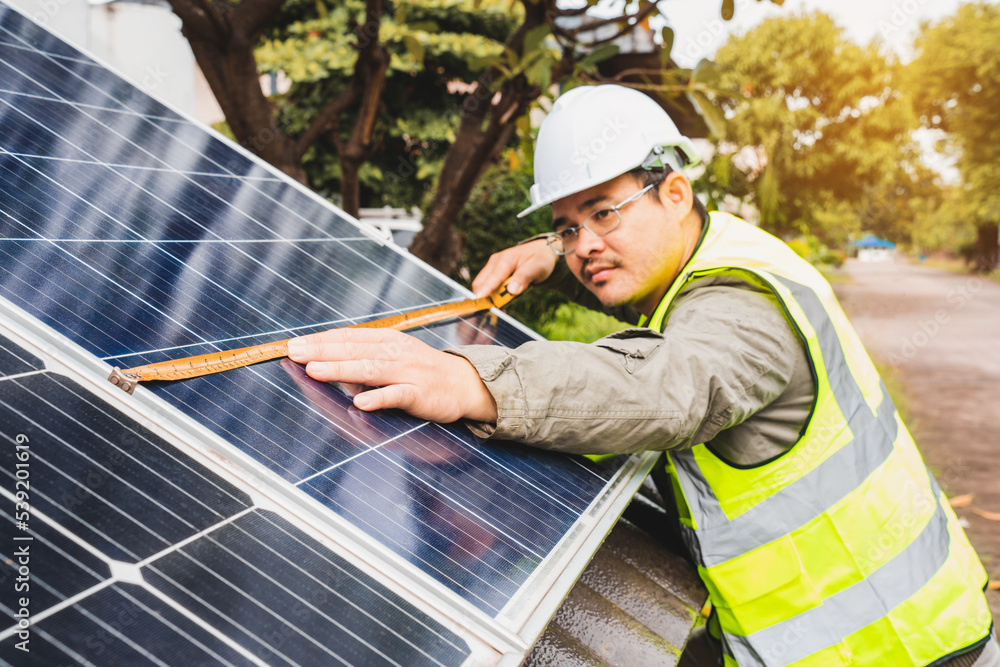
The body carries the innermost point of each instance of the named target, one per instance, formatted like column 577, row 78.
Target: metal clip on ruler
column 215, row 362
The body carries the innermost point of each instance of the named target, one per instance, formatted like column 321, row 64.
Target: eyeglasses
column 599, row 223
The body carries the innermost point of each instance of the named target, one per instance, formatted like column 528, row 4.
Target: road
column 941, row 333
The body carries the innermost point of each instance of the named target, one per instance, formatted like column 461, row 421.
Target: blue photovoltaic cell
column 289, row 601
column 15, row 360
column 14, row 29
column 104, row 477
column 121, row 625
column 125, row 495
column 141, row 238
column 479, row 517
column 58, row 567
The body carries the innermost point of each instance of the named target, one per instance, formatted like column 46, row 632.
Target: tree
column 223, row 36
column 815, row 126
column 540, row 49
column 955, row 83
column 432, row 46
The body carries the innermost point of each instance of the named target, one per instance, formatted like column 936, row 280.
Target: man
column 815, row 525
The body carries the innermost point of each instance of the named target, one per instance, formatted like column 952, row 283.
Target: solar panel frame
column 524, row 617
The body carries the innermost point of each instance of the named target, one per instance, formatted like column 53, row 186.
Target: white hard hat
column 596, row 133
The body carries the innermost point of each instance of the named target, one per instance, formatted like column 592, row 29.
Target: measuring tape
column 216, row 362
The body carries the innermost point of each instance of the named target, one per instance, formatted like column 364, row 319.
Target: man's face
column 635, row 263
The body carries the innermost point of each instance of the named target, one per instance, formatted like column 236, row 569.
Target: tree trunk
column 987, row 250
column 369, row 84
column 222, row 43
column 478, row 142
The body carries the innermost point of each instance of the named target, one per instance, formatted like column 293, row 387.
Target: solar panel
column 252, row 515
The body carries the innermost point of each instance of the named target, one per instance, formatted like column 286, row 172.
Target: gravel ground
column 941, row 333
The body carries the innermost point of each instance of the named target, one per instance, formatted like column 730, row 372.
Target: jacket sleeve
column 726, row 353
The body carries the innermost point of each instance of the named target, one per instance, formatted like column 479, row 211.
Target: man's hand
column 410, row 375
column 524, row 264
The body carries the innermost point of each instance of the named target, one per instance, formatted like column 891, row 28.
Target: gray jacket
column 728, row 370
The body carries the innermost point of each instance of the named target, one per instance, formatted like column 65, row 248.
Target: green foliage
column 817, row 253
column 944, row 224
column 431, row 44
column 955, row 86
column 574, row 322
column 815, row 125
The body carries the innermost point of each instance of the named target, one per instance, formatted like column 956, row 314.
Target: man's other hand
column 408, row 374
column 524, row 264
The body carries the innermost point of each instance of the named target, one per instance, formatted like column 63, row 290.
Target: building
column 873, row 249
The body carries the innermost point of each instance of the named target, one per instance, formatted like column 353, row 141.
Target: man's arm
column 727, row 353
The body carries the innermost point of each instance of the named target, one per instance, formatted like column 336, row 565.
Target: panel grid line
column 479, row 577
column 252, row 602
column 58, row 607
column 326, row 559
column 204, row 626
column 138, row 167
column 354, row 456
column 168, row 168
column 43, row 516
column 103, row 439
column 171, row 256
column 284, row 588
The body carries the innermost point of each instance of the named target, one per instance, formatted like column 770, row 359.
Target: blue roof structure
column 871, row 241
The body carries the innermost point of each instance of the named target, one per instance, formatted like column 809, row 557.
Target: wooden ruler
column 215, row 362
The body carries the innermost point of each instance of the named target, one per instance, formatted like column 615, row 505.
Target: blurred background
column 845, row 128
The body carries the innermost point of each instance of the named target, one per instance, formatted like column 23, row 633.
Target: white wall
column 142, row 42
column 67, row 18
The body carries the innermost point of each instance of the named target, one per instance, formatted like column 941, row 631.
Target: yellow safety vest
column 842, row 551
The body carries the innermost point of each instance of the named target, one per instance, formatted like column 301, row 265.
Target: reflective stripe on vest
column 817, row 490
column 852, row 609
column 866, row 600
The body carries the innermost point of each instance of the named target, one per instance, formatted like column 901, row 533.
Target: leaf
column 961, row 501
column 667, row 35
column 990, row 516
column 706, row 72
column 728, row 9
column 482, row 62
column 535, row 36
column 414, row 47
column 321, row 9
column 602, row 52
column 541, row 73
column 713, row 117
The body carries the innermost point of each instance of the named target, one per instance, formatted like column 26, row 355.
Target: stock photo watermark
column 21, row 559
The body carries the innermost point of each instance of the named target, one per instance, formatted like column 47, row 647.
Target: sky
column 699, row 29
